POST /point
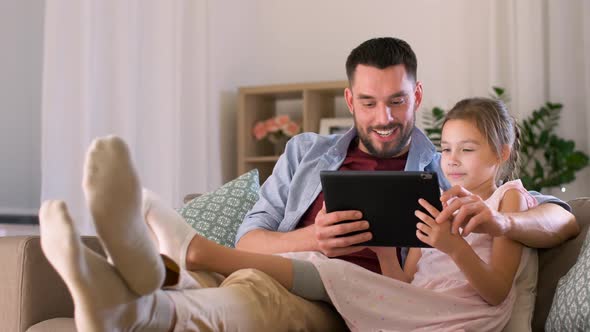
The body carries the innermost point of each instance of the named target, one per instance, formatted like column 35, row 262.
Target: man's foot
column 101, row 298
column 113, row 194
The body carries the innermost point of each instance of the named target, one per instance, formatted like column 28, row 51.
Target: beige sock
column 113, row 194
column 171, row 230
column 102, row 300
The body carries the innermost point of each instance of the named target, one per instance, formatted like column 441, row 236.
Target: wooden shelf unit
column 260, row 103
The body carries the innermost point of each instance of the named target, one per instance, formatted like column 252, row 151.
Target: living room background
column 538, row 50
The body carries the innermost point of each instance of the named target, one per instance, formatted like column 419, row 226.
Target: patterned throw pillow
column 570, row 310
column 218, row 214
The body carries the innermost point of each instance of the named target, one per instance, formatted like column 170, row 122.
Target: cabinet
column 305, row 103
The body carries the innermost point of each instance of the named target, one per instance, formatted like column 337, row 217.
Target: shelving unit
column 314, row 101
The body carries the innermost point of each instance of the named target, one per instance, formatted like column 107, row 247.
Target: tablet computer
column 387, row 200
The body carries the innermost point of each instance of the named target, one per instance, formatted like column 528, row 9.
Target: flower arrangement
column 276, row 129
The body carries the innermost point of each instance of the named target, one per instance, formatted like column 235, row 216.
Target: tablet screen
column 387, row 200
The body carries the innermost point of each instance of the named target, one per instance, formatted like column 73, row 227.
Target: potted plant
column 277, row 130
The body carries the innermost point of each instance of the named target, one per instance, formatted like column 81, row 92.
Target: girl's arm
column 492, row 281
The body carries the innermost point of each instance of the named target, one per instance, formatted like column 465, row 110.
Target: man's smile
column 386, row 135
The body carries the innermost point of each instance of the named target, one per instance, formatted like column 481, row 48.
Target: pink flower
column 271, row 125
column 282, row 120
column 259, row 130
column 275, row 128
column 291, row 129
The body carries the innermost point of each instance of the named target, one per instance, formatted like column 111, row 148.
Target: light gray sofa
column 33, row 298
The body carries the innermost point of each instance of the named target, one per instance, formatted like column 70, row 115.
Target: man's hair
column 382, row 53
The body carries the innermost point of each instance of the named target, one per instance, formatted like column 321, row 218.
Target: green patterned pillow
column 218, row 214
column 570, row 310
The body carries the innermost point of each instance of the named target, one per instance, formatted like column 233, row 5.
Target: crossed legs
column 124, row 293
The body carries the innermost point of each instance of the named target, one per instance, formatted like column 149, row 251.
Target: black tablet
column 387, row 200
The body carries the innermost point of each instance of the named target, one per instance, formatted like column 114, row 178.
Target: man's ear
column 348, row 98
column 418, row 95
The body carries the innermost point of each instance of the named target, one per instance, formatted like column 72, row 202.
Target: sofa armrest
column 31, row 290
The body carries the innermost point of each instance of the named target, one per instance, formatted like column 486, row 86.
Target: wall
column 21, row 37
column 264, row 42
column 267, row 42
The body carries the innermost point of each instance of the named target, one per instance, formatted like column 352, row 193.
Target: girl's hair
column 495, row 123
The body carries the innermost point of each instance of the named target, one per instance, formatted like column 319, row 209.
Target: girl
column 462, row 283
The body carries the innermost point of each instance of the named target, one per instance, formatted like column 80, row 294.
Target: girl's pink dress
column 438, row 299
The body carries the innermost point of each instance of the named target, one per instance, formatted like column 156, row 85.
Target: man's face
column 383, row 103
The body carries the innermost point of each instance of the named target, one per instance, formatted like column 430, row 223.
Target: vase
column 279, row 144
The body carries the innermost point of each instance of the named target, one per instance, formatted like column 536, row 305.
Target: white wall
column 21, row 40
column 266, row 42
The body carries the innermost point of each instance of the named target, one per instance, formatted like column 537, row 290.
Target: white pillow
column 526, row 291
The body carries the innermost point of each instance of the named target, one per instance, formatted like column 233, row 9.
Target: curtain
column 540, row 51
column 133, row 68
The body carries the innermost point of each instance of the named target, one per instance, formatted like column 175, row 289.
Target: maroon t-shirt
column 357, row 160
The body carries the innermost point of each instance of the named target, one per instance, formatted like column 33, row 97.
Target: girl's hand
column 471, row 213
column 437, row 235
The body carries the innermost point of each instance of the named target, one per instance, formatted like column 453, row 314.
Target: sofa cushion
column 218, row 214
column 570, row 310
column 555, row 263
column 54, row 325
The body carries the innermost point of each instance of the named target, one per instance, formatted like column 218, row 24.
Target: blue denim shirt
column 295, row 181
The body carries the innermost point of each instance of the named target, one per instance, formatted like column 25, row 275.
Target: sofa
column 33, row 298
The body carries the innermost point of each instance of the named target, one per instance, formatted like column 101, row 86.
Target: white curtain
column 540, row 51
column 137, row 69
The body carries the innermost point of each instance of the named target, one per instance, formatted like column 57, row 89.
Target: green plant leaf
column 438, row 113
column 553, row 106
column 544, row 137
column 538, row 172
column 498, row 91
column 577, row 160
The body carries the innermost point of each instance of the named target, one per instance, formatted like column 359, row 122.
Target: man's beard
column 405, row 133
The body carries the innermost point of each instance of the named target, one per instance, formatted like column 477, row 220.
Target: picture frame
column 330, row 126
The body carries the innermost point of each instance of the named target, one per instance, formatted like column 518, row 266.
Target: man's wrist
column 311, row 236
column 510, row 227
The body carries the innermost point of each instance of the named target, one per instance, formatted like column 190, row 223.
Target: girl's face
column 467, row 158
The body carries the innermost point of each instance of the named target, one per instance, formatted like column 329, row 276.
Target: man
column 383, row 97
